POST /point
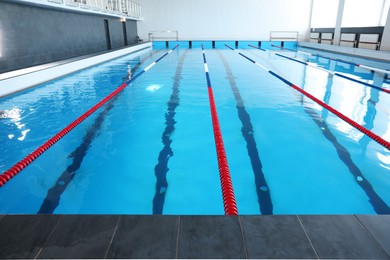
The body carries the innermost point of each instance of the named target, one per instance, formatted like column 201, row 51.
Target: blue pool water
column 150, row 150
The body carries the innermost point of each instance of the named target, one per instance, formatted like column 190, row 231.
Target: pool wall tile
column 221, row 44
column 290, row 45
column 159, row 45
column 210, row 237
column 276, row 237
column 182, row 44
column 245, row 44
column 23, row 236
column 198, row 44
column 145, row 237
column 268, row 45
column 341, row 237
column 86, row 236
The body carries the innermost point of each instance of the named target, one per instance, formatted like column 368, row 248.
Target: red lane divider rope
column 364, row 130
column 229, row 200
column 19, row 166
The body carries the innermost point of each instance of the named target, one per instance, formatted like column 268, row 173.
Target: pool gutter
column 364, row 53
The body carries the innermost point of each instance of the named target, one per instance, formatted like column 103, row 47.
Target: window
column 365, row 13
column 324, row 13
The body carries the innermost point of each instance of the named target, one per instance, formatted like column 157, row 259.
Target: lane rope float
column 362, row 129
column 54, row 194
column 19, row 166
column 229, row 200
column 262, row 188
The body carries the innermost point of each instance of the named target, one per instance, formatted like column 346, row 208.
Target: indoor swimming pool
column 150, row 149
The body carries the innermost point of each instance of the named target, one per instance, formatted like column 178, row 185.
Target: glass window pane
column 324, row 13
column 362, row 13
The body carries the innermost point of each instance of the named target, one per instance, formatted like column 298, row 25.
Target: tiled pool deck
column 138, row 236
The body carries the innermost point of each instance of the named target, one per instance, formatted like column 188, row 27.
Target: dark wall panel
column 132, row 32
column 32, row 35
column 116, row 33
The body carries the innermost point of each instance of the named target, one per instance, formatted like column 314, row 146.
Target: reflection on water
column 365, row 105
column 15, row 117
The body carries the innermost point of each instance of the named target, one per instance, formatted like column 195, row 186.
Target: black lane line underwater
column 378, row 204
column 161, row 169
column 53, row 196
column 262, row 189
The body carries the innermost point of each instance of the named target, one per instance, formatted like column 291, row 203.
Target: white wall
column 224, row 19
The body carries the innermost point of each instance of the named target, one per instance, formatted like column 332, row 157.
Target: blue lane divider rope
column 331, row 73
column 339, row 60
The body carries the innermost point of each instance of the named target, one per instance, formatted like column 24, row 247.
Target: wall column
column 307, row 36
column 385, row 45
column 337, row 30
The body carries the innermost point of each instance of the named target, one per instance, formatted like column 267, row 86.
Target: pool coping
column 15, row 81
column 356, row 52
column 186, row 236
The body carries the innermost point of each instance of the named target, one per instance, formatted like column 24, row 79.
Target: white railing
column 118, row 7
column 163, row 35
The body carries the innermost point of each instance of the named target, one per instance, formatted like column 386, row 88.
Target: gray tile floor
column 137, row 236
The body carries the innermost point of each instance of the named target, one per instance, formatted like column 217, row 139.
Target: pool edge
column 18, row 83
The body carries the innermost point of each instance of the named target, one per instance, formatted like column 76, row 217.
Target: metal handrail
column 284, row 38
column 152, row 36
